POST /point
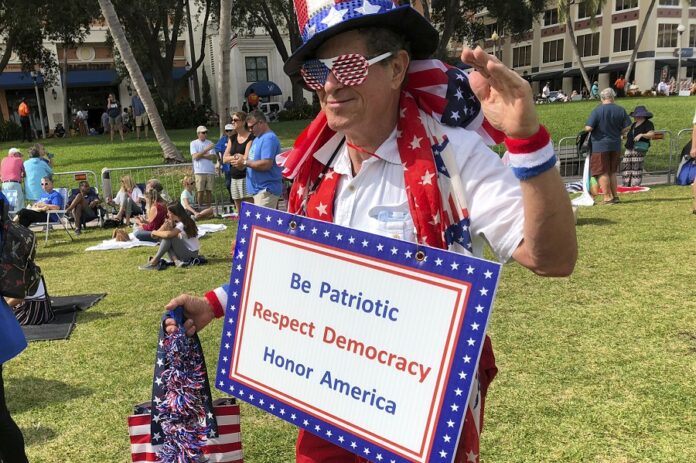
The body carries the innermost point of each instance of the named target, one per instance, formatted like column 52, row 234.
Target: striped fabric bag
column 213, row 425
column 225, row 448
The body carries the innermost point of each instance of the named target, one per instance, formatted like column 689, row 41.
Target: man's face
column 46, row 184
column 351, row 109
column 255, row 126
column 202, row 135
column 84, row 188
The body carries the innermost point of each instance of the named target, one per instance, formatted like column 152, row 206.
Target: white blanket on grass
column 107, row 245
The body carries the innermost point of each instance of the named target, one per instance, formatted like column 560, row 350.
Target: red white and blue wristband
column 531, row 156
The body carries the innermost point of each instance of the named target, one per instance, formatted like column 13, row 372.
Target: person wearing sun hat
column 637, row 144
column 397, row 128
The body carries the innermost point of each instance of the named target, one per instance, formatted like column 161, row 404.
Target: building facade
column 92, row 75
column 545, row 54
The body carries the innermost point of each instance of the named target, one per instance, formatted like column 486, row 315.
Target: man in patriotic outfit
column 400, row 145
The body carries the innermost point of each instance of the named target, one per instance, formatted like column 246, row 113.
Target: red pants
column 314, row 449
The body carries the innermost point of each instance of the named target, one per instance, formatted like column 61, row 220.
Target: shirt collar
column 387, row 151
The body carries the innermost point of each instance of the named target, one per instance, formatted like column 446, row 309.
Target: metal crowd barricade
column 72, row 180
column 570, row 162
column 658, row 161
column 170, row 176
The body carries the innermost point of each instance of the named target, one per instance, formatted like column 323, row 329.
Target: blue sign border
column 481, row 274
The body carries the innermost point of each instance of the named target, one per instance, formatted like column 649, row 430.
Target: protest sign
column 369, row 342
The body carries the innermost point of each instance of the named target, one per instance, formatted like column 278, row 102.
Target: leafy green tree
column 153, row 28
column 457, row 19
column 275, row 17
column 565, row 16
column 68, row 23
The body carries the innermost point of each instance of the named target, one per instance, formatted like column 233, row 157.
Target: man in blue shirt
column 264, row 179
column 50, row 200
column 607, row 123
column 140, row 116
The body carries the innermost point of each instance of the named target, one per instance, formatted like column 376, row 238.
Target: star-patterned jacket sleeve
column 217, row 299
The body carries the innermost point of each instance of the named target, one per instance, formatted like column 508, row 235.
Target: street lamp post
column 494, row 38
column 34, row 75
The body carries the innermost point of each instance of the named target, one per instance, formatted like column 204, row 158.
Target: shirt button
column 351, row 188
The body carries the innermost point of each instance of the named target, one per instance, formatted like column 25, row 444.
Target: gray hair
column 257, row 115
column 155, row 184
column 607, row 94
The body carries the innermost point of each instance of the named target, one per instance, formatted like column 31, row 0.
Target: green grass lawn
column 597, row 367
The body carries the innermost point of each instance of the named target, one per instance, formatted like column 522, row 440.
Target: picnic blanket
column 65, row 309
column 110, row 244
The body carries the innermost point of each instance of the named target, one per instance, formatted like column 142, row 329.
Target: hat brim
column 647, row 115
column 422, row 36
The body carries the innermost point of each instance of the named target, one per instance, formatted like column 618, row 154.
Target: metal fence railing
column 71, row 180
column 170, row 176
column 570, row 162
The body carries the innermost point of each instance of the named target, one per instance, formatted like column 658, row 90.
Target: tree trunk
column 639, row 39
column 171, row 154
column 576, row 50
column 451, row 14
column 66, row 111
column 192, row 48
column 223, row 81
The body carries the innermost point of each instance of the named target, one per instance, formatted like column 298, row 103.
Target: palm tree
column 223, row 81
column 639, row 39
column 170, row 153
column 565, row 16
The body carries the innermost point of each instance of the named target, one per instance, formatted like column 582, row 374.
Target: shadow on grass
column 30, row 392
column 37, row 435
column 595, row 221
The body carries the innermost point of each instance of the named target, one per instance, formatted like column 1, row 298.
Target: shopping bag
column 216, row 425
column 225, row 448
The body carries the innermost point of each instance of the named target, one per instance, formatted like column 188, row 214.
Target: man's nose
column 332, row 83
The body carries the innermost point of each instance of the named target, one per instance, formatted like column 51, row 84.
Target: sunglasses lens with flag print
column 349, row 70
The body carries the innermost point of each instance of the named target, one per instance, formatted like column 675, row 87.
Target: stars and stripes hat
column 320, row 20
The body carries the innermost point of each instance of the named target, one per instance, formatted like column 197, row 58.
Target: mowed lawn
column 597, row 367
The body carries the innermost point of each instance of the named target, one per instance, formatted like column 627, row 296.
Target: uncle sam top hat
column 320, row 20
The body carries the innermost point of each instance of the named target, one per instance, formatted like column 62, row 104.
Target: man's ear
column 399, row 66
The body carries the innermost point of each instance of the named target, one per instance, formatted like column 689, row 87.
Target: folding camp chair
column 59, row 215
column 101, row 212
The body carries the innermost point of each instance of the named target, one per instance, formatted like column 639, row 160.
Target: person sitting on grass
column 83, row 206
column 156, row 215
column 188, row 201
column 179, row 239
column 49, row 200
column 128, row 200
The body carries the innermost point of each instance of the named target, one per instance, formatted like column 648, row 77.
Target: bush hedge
column 10, row 131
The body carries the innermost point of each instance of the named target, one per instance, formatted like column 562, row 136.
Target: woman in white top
column 179, row 239
column 129, row 199
column 188, row 200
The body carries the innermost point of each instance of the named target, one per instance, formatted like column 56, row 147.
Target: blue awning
column 98, row 78
column 19, row 80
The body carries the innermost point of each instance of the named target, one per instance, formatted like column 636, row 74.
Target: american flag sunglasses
column 349, row 69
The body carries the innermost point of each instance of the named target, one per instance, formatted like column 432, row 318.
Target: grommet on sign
column 420, row 256
column 293, row 225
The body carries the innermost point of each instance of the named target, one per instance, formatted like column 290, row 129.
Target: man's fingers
column 177, row 301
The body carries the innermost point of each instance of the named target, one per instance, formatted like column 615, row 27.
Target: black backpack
column 583, row 143
column 19, row 275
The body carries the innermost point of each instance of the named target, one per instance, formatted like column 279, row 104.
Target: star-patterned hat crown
column 319, row 20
